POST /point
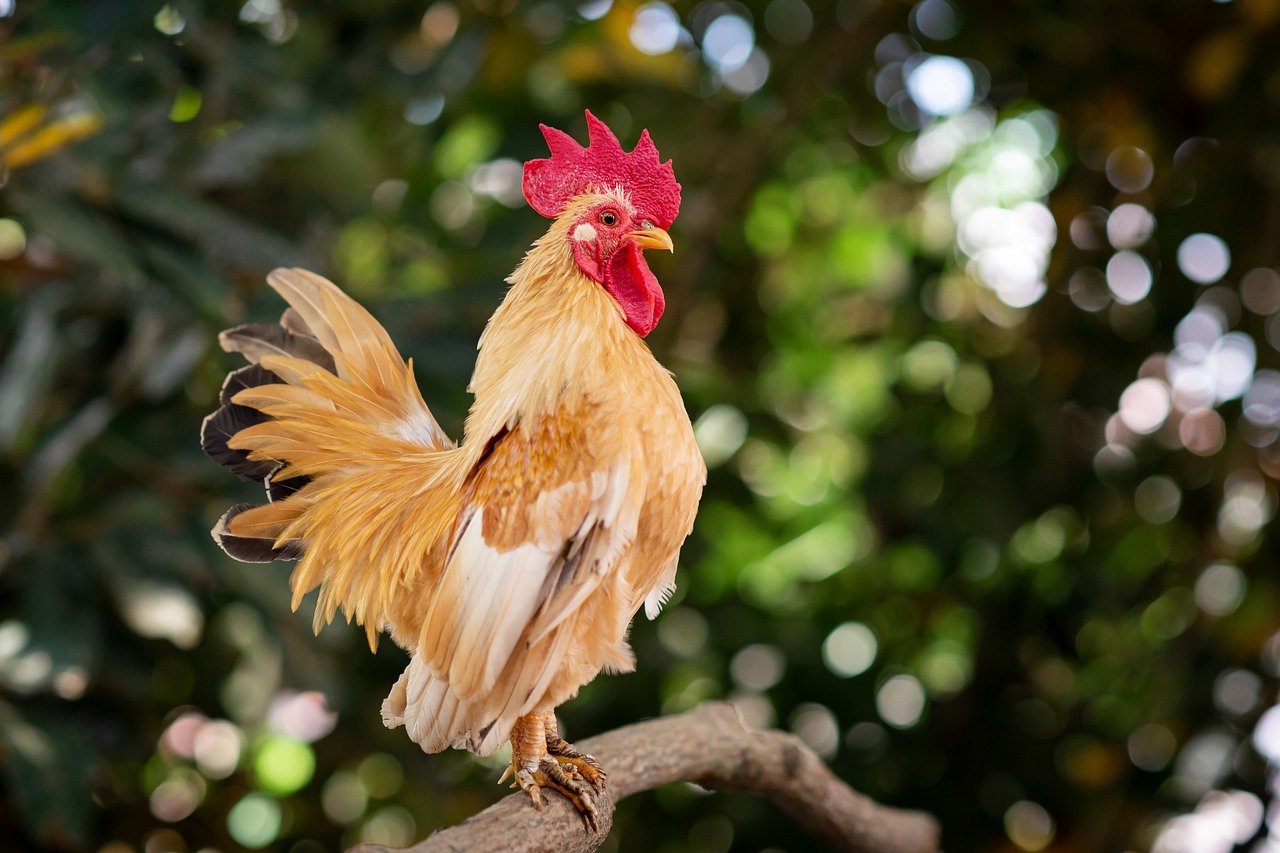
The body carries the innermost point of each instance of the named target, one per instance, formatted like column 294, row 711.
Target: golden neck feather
column 557, row 336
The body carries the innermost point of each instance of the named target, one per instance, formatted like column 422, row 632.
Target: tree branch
column 712, row 746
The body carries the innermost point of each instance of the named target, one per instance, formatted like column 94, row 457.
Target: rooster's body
column 510, row 565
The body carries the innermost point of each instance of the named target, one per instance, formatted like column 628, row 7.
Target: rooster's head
column 616, row 204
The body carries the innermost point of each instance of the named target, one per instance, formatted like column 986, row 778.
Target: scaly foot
column 540, row 759
column 550, row 772
column 587, row 767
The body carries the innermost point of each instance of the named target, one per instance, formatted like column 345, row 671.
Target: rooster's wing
column 542, row 526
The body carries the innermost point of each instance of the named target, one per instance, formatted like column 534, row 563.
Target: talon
column 559, row 775
column 540, row 759
column 529, row 781
column 584, row 766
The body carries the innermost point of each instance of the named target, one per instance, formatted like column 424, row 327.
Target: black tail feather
column 249, row 376
column 261, row 339
column 218, row 429
column 291, row 337
column 278, row 490
column 249, row 549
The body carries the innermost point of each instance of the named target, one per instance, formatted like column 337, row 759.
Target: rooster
column 509, row 566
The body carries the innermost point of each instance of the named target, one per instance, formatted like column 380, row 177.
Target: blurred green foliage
column 973, row 528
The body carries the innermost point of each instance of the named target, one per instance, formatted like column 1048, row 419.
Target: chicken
column 509, row 566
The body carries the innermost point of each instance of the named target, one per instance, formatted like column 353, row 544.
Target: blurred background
column 974, row 306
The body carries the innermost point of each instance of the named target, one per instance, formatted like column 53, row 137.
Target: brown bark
column 712, row 746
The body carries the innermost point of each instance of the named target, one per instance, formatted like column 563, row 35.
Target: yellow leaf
column 51, row 137
column 20, row 122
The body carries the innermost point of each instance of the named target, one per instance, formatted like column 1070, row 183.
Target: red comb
column 572, row 170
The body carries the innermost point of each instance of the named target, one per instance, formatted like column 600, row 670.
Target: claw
column 529, row 784
column 584, row 766
column 540, row 759
column 565, row 777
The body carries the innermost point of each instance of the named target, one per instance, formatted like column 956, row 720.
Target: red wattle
column 628, row 280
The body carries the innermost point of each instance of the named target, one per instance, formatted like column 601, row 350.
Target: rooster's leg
column 535, row 767
column 588, row 768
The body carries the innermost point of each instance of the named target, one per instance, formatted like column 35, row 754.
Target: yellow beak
column 652, row 238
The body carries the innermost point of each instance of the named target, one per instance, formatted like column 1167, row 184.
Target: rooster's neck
column 557, row 338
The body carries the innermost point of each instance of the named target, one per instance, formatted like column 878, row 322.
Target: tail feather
column 219, row 427
column 293, row 321
column 241, row 531
column 376, row 378
column 257, row 340
column 253, row 546
column 326, row 400
column 282, row 488
column 344, row 328
column 249, row 376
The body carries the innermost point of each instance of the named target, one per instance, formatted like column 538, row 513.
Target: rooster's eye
column 608, row 218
